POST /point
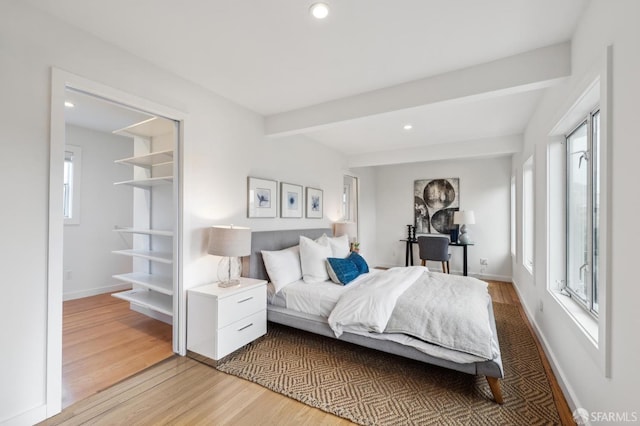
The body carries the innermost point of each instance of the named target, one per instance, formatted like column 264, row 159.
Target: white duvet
column 367, row 308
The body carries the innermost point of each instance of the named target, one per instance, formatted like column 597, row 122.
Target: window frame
column 513, row 214
column 75, row 156
column 528, row 214
column 590, row 305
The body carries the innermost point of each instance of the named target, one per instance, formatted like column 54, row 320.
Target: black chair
column 436, row 249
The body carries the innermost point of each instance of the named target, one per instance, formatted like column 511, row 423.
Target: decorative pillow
column 363, row 268
column 283, row 266
column 339, row 245
column 313, row 256
column 342, row 271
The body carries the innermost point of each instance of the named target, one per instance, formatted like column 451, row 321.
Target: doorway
column 151, row 276
column 110, row 245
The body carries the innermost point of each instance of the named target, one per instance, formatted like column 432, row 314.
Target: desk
column 408, row 257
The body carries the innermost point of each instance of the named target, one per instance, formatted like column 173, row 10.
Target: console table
column 408, row 257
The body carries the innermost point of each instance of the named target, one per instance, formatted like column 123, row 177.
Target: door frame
column 61, row 81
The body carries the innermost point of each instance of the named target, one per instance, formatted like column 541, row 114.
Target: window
column 71, row 183
column 68, row 184
column 582, row 211
column 513, row 215
column 527, row 215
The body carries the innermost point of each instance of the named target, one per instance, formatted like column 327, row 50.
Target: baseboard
column 95, row 291
column 567, row 390
column 29, row 417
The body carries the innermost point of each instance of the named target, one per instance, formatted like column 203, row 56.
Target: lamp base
column 464, row 238
column 231, row 283
column 229, row 270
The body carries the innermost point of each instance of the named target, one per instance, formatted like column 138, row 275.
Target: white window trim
column 595, row 87
column 76, row 180
column 528, row 197
column 513, row 214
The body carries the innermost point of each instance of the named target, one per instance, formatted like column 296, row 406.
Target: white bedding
column 314, row 299
column 320, row 299
column 446, row 310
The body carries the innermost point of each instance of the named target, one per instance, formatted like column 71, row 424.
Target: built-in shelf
column 156, row 256
column 148, row 299
column 149, row 160
column 152, row 167
column 148, row 128
column 147, row 183
column 159, row 232
column 158, row 283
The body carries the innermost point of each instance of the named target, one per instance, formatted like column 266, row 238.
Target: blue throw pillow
column 341, row 271
column 361, row 264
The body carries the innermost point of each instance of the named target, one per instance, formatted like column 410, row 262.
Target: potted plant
column 355, row 246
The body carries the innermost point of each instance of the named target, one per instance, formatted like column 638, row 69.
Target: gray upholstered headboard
column 253, row 266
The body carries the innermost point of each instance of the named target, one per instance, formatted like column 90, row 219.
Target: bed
column 316, row 321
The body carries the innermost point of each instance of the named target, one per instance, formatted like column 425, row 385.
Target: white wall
column 88, row 261
column 484, row 188
column 223, row 144
column 578, row 364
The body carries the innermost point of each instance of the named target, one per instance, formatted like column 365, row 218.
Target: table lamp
column 230, row 242
column 346, row 228
column 464, row 218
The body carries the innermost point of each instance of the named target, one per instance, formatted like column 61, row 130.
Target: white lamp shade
column 229, row 241
column 345, row 228
column 464, row 217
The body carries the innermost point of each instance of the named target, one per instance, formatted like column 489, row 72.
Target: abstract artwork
column 261, row 196
column 435, row 200
column 314, row 203
column 290, row 200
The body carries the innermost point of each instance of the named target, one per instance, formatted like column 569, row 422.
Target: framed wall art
column 261, row 197
column 291, row 201
column 314, row 203
column 435, row 201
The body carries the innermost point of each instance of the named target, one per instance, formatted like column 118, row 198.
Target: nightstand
column 221, row 320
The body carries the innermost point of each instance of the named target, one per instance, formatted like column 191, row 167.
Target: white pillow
column 283, row 266
column 339, row 245
column 313, row 256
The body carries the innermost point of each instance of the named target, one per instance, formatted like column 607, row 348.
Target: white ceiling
column 273, row 58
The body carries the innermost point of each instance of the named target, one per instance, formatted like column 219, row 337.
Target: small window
column 71, row 184
column 513, row 216
column 68, row 184
column 582, row 210
column 528, row 221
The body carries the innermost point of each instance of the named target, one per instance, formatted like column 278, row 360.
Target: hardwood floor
column 104, row 342
column 184, row 391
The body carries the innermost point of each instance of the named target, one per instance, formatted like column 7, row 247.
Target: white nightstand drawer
column 240, row 305
column 241, row 332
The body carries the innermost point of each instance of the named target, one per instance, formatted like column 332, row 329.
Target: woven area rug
column 373, row 388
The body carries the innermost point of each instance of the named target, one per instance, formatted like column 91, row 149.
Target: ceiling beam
column 489, row 147
column 526, row 71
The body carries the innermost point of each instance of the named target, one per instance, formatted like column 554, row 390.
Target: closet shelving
column 152, row 278
column 149, row 160
column 148, row 182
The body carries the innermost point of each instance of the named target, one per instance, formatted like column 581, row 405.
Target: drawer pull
column 245, row 300
column 245, row 327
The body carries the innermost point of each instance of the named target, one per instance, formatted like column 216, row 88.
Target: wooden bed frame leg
column 494, row 385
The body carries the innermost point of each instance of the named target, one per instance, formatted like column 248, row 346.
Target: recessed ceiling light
column 69, row 104
column 319, row 10
column 407, row 127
